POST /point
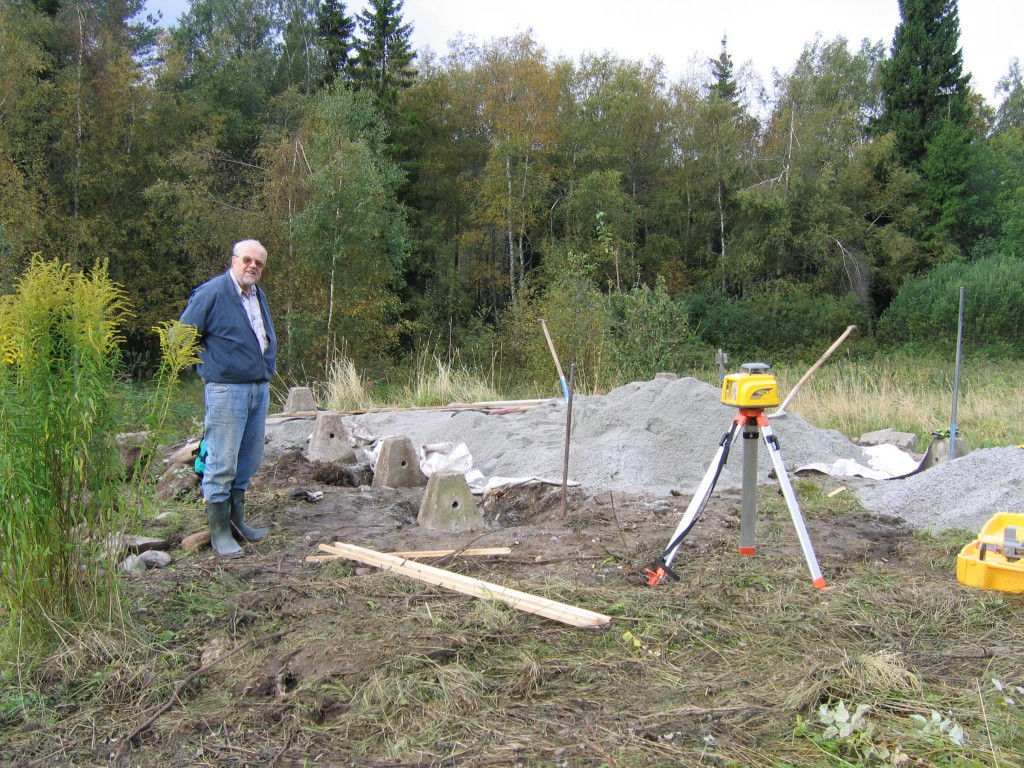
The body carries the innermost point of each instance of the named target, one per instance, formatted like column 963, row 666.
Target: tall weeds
column 59, row 463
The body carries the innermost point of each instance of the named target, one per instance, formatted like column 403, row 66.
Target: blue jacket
column 230, row 351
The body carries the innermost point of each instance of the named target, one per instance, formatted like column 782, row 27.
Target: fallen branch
column 127, row 740
column 521, row 601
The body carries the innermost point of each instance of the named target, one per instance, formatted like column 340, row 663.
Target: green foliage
column 923, row 83
column 926, row 311
column 384, row 61
column 650, row 332
column 576, row 317
column 781, row 319
column 59, row 463
column 352, row 233
column 849, row 735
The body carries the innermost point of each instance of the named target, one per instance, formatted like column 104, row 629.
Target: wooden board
column 521, row 601
column 425, row 553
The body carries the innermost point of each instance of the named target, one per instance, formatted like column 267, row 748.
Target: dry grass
column 726, row 667
column 912, row 395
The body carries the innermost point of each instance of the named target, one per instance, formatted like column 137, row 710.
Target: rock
column 177, row 483
column 130, row 446
column 120, row 544
column 906, row 441
column 184, row 456
column 145, row 560
column 195, row 541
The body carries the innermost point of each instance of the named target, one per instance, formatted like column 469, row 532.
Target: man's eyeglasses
column 249, row 260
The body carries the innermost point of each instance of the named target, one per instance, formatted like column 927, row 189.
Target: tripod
column 752, row 423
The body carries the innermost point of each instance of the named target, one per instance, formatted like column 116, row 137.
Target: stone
column 300, row 400
column 177, row 483
column 184, row 456
column 130, row 446
column 666, row 376
column 448, row 505
column 398, row 466
column 906, row 441
column 195, row 541
column 145, row 560
column 330, row 440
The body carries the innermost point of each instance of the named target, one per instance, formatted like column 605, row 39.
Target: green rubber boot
column 241, row 531
column 218, row 513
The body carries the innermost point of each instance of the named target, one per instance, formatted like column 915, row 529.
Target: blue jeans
column 235, row 423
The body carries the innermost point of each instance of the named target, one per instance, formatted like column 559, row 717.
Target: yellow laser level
column 753, row 387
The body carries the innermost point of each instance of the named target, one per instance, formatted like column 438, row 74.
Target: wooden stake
column 521, row 601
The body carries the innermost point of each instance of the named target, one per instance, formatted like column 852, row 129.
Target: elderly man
column 237, row 361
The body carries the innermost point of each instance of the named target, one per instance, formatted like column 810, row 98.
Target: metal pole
column 956, row 377
column 568, row 431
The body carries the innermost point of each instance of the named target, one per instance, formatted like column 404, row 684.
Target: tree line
column 415, row 198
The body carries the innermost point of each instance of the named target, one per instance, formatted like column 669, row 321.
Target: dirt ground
column 299, row 681
column 272, row 660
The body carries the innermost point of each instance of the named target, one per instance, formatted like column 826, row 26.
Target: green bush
column 575, row 312
column 651, row 333
column 926, row 311
column 781, row 320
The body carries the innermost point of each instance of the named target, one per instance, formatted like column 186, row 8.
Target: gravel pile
column 648, row 437
column 963, row 493
column 656, row 437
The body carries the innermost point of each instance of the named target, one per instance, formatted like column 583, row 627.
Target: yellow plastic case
column 994, row 571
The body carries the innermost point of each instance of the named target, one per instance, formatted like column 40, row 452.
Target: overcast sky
column 769, row 34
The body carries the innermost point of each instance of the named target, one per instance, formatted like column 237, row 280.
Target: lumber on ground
column 515, row 405
column 420, row 554
column 521, row 601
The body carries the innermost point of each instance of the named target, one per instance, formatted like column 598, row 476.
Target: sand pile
column 648, row 437
column 963, row 493
column 655, row 437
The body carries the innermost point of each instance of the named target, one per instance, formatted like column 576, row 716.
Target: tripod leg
column 748, row 516
column 775, row 452
column 662, row 566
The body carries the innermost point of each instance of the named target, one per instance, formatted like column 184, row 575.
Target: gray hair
column 243, row 245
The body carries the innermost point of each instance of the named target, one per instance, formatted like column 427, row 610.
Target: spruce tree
column 724, row 85
column 923, row 84
column 385, row 57
column 928, row 108
column 335, row 29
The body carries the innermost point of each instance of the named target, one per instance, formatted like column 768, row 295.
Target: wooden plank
column 424, row 553
column 517, row 404
column 521, row 601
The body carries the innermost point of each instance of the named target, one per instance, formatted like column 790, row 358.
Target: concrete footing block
column 398, row 466
column 448, row 505
column 330, row 440
column 906, row 441
column 300, row 400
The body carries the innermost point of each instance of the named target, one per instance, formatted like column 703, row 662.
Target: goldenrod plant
column 59, row 465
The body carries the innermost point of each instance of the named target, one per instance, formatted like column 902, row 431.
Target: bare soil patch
column 335, row 664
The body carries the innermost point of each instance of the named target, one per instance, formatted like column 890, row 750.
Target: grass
column 912, row 394
column 738, row 664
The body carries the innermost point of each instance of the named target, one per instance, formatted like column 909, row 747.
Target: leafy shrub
column 576, row 316
column 651, row 333
column 927, row 309
column 780, row 319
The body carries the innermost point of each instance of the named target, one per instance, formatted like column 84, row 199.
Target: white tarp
column 885, row 462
